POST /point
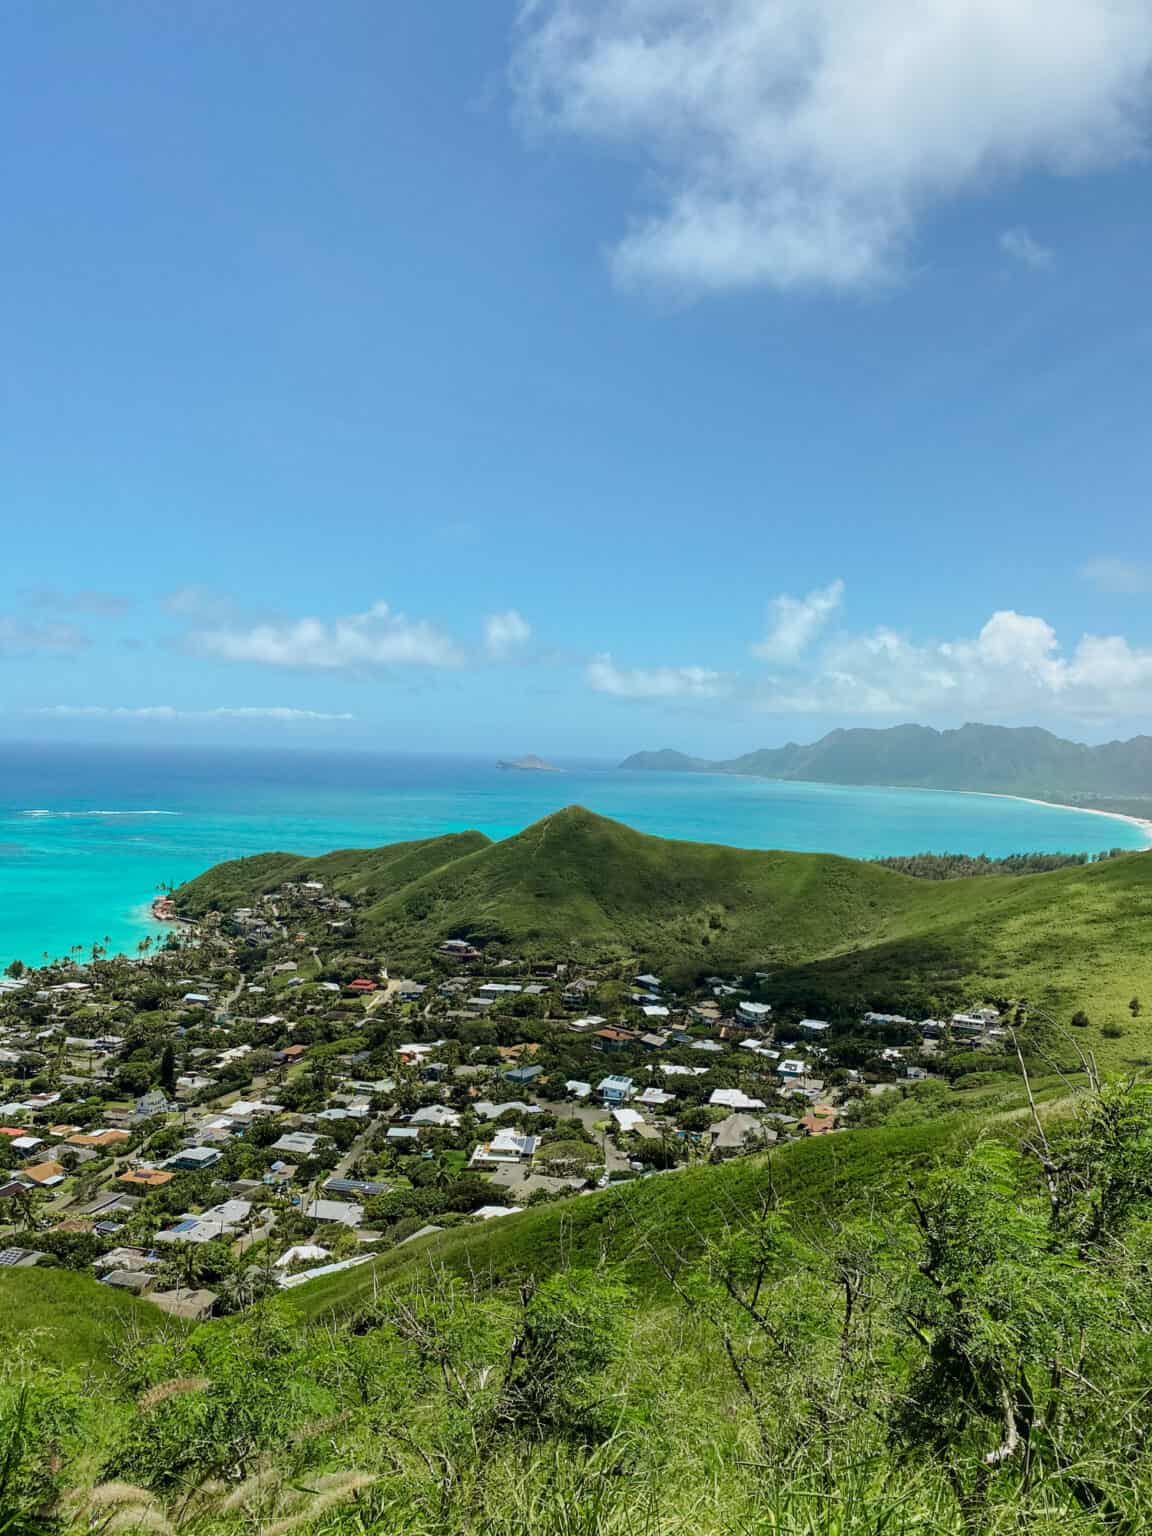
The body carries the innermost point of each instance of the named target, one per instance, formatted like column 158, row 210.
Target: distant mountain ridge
column 993, row 758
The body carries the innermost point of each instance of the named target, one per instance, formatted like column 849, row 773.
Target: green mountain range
column 824, row 927
column 996, row 758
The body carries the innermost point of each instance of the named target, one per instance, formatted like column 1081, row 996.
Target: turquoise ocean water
column 87, row 834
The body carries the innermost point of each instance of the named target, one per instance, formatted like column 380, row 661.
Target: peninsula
column 992, row 759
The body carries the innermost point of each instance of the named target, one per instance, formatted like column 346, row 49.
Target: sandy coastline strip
column 1144, row 823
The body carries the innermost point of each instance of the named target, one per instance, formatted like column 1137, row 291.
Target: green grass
column 65, row 1319
column 359, row 872
column 827, row 928
column 650, row 1226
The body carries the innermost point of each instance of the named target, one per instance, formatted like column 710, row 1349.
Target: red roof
column 362, row 984
column 12, row 1130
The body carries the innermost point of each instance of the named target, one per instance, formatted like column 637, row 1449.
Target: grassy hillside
column 826, row 928
column 355, row 872
column 577, row 880
column 62, row 1318
column 655, row 1225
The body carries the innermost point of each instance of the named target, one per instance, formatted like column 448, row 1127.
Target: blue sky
column 576, row 376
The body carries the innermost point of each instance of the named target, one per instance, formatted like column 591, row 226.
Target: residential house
column 44, row 1175
column 147, row 1178
column 819, row 1121
column 737, row 1133
column 734, row 1098
column 522, row 1076
column 154, row 1102
column 814, row 1026
column 615, row 1090
column 755, row 1015
column 627, row 1119
column 654, row 1098
column 346, row 1213
column 611, row 1039
column 437, row 1115
column 487, row 1110
column 298, row 1143
column 193, row 1159
column 506, row 1146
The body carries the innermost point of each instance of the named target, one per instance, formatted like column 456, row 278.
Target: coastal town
column 249, row 1104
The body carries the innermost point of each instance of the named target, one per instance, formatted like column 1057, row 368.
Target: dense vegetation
column 961, row 866
column 1001, row 759
column 948, row 1332
column 826, row 930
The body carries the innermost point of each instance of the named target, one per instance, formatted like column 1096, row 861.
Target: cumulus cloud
column 505, row 633
column 375, row 639
column 800, row 142
column 1013, row 666
column 276, row 712
column 18, row 638
column 1128, row 577
column 604, row 676
column 1027, row 250
column 794, row 622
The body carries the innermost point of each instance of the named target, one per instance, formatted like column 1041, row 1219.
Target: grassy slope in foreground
column 65, row 1319
column 652, row 1226
column 827, row 927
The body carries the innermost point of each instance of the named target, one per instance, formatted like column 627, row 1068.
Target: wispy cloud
column 604, row 676
column 802, row 142
column 19, row 638
column 202, row 605
column 362, row 641
column 794, row 622
column 1128, row 577
column 96, row 604
column 505, row 634
column 1027, row 250
column 276, row 713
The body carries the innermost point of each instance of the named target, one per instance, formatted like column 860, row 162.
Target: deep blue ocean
column 88, row 833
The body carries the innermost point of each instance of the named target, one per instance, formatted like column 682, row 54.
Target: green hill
column 363, row 873
column 824, row 927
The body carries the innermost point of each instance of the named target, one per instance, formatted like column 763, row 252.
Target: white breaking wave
column 66, row 815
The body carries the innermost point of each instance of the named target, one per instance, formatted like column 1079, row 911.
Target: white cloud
column 1027, row 250
column 796, row 621
column 20, row 639
column 604, row 676
column 505, row 633
column 277, row 713
column 800, row 142
column 1014, row 666
column 378, row 638
column 1128, row 577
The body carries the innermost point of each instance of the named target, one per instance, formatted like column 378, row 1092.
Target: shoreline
column 1143, row 822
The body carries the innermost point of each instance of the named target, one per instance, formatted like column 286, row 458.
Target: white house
column 734, row 1098
column 506, row 1146
column 756, row 1014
